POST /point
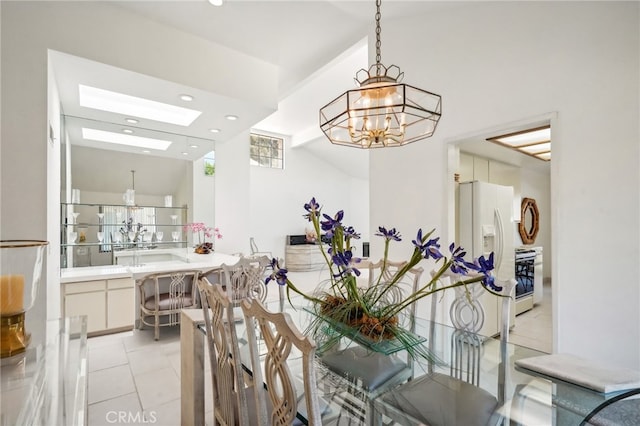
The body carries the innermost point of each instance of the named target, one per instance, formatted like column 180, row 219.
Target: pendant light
column 382, row 112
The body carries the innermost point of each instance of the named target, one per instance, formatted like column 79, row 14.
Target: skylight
column 119, row 103
column 534, row 142
column 122, row 139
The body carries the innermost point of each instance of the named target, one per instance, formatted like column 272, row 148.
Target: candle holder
column 21, row 270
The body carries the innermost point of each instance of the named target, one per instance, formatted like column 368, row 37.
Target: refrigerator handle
column 500, row 238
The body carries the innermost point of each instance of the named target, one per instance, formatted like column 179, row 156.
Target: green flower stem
column 316, row 227
column 291, row 286
column 416, row 257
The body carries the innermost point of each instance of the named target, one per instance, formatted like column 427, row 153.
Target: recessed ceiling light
column 185, row 153
column 146, row 151
column 193, row 146
column 214, row 130
column 534, row 142
column 216, row 2
column 186, row 98
column 105, row 100
column 231, row 117
column 131, row 120
column 120, row 139
column 127, row 131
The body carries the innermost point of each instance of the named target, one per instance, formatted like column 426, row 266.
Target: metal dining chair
column 454, row 397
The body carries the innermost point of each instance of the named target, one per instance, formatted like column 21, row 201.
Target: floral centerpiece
column 203, row 232
column 370, row 310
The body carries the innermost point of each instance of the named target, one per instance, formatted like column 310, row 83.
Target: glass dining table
column 523, row 398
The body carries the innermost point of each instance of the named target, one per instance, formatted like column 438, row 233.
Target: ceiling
column 316, row 62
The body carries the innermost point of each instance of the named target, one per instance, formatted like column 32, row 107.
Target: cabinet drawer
column 120, row 283
column 84, row 287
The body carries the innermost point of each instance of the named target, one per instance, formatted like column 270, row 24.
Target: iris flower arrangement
column 369, row 309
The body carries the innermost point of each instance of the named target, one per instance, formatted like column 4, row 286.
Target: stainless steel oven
column 525, row 261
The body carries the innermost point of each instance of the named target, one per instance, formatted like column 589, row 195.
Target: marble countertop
column 201, row 262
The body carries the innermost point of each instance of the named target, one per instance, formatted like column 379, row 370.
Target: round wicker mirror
column 529, row 221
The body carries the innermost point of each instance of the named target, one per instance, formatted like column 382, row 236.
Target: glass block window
column 267, row 151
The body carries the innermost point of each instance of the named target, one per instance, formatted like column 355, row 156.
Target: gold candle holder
column 20, row 273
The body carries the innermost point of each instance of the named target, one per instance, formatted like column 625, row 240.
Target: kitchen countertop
column 201, row 262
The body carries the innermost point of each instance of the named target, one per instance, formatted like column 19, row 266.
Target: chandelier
column 382, row 112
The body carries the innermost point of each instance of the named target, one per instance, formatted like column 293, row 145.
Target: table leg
column 191, row 368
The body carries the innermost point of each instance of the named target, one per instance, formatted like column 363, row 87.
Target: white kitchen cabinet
column 87, row 298
column 120, row 303
column 108, row 304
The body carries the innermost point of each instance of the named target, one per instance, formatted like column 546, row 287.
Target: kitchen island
column 107, row 295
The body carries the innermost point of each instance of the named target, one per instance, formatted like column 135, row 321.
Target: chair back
column 255, row 251
column 382, row 272
column 165, row 294
column 280, row 336
column 467, row 316
column 245, row 279
column 229, row 396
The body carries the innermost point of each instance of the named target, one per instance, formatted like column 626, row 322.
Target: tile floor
column 534, row 328
column 135, row 380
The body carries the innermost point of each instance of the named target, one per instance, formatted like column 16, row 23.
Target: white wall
column 204, row 201
column 100, row 32
column 278, row 198
column 268, row 204
column 502, row 62
column 232, row 197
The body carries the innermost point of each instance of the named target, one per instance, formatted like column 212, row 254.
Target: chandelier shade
column 382, row 112
column 381, row 115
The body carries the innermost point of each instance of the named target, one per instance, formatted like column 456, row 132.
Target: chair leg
column 157, row 327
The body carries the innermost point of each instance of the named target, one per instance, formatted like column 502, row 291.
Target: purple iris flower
column 418, row 241
column 313, row 208
column 391, row 234
column 458, row 264
column 344, row 261
column 331, row 223
column 349, row 232
column 485, row 267
column 432, row 249
column 278, row 275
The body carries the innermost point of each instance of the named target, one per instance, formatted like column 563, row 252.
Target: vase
column 336, row 318
column 21, row 266
column 327, row 331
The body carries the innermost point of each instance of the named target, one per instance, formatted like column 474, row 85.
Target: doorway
column 472, row 157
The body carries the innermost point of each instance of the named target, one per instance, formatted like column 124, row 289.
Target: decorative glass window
column 210, row 164
column 267, row 151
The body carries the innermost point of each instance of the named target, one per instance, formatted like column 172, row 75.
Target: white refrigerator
column 485, row 225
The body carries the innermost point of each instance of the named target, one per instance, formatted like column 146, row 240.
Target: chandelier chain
column 378, row 31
